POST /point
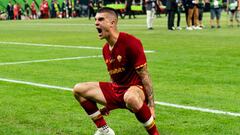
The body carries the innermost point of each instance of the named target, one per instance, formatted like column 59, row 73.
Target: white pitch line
column 156, row 102
column 51, row 45
column 35, row 84
column 197, row 109
column 47, row 60
column 61, row 46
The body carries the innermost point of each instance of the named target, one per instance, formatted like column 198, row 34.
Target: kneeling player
column 131, row 87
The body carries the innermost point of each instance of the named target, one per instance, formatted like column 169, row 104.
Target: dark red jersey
column 126, row 56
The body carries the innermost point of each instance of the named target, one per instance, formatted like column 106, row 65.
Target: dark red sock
column 144, row 116
column 92, row 110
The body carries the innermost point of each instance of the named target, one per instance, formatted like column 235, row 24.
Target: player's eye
column 101, row 19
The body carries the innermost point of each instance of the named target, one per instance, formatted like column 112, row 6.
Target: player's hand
column 104, row 111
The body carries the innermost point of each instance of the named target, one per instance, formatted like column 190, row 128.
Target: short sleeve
column 137, row 54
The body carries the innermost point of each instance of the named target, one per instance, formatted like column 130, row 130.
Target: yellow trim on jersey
column 141, row 66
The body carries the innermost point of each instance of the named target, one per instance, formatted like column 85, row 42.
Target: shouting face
column 104, row 24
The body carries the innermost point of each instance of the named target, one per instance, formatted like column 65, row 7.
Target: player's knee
column 79, row 89
column 133, row 102
column 75, row 90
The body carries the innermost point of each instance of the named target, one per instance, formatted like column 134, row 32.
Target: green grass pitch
column 191, row 68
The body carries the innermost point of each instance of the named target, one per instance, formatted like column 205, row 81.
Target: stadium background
column 3, row 3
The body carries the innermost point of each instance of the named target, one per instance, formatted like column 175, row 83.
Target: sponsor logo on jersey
column 116, row 71
column 119, row 58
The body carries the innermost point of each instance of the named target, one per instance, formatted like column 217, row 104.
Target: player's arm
column 147, row 83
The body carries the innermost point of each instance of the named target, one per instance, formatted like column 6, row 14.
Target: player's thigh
column 90, row 90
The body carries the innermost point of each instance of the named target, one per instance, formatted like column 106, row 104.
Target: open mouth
column 99, row 32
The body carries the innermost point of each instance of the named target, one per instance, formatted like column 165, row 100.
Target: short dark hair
column 108, row 10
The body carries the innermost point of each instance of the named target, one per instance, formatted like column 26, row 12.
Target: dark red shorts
column 114, row 95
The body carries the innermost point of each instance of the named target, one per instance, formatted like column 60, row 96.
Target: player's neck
column 112, row 39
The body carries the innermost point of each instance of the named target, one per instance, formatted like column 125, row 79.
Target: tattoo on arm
column 147, row 83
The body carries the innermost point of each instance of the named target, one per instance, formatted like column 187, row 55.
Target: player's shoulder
column 127, row 36
column 130, row 40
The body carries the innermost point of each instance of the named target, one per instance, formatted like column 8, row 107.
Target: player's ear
column 114, row 21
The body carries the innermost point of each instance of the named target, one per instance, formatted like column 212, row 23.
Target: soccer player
column 131, row 87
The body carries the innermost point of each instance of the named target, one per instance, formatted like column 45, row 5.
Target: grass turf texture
column 196, row 68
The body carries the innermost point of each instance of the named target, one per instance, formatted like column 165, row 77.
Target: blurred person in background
column 17, row 11
column 119, row 11
column 193, row 14
column 44, row 9
column 64, row 9
column 150, row 11
column 52, row 10
column 33, row 10
column 77, row 8
column 55, row 9
column 69, row 8
column 185, row 6
column 91, row 12
column 178, row 12
column 128, row 10
column 10, row 10
column 215, row 12
column 27, row 9
column 84, row 7
column 238, row 14
column 158, row 8
column 201, row 6
column 232, row 6
column 171, row 7
column 99, row 4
